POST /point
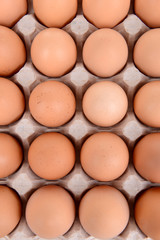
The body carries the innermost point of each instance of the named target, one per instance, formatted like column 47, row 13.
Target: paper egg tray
column 24, row 181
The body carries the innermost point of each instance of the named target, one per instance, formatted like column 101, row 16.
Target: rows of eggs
column 52, row 104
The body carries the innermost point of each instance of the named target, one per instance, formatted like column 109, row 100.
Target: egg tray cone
column 24, row 181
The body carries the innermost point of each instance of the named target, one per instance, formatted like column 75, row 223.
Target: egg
column 147, row 104
column 10, row 210
column 147, row 212
column 11, row 11
column 55, row 13
column 12, row 52
column 148, row 11
column 51, row 156
column 11, row 155
column 50, row 211
column 104, row 156
column 105, row 103
column 105, row 13
column 104, row 212
column 52, row 103
column 146, row 157
column 146, row 53
column 105, row 52
column 53, row 52
column 12, row 102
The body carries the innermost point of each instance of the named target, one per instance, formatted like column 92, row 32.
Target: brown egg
column 147, row 104
column 10, row 210
column 105, row 13
column 104, row 156
column 146, row 53
column 148, row 11
column 105, row 103
column 12, row 102
column 104, row 212
column 11, row 155
column 55, row 13
column 12, row 52
column 147, row 213
column 11, row 11
column 53, row 52
column 50, row 211
column 51, row 156
column 146, row 157
column 105, row 52
column 52, row 103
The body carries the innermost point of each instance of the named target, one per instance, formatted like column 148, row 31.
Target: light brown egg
column 11, row 11
column 146, row 53
column 52, row 103
column 50, row 211
column 104, row 156
column 105, row 52
column 12, row 52
column 148, row 11
column 51, row 156
column 104, row 212
column 105, row 13
column 10, row 210
column 55, row 13
column 147, row 213
column 147, row 104
column 12, row 102
column 146, row 157
column 53, row 52
column 11, row 155
column 105, row 103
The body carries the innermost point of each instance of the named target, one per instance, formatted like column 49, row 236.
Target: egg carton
column 24, row 181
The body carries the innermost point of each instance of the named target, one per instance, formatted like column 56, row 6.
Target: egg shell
column 55, row 13
column 10, row 210
column 146, row 157
column 104, row 212
column 52, row 103
column 105, row 52
column 53, row 52
column 12, row 11
column 50, row 211
column 105, row 13
column 12, row 102
column 51, row 156
column 147, row 104
column 11, row 155
column 104, row 156
column 148, row 11
column 146, row 53
column 147, row 212
column 12, row 52
column 105, row 103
